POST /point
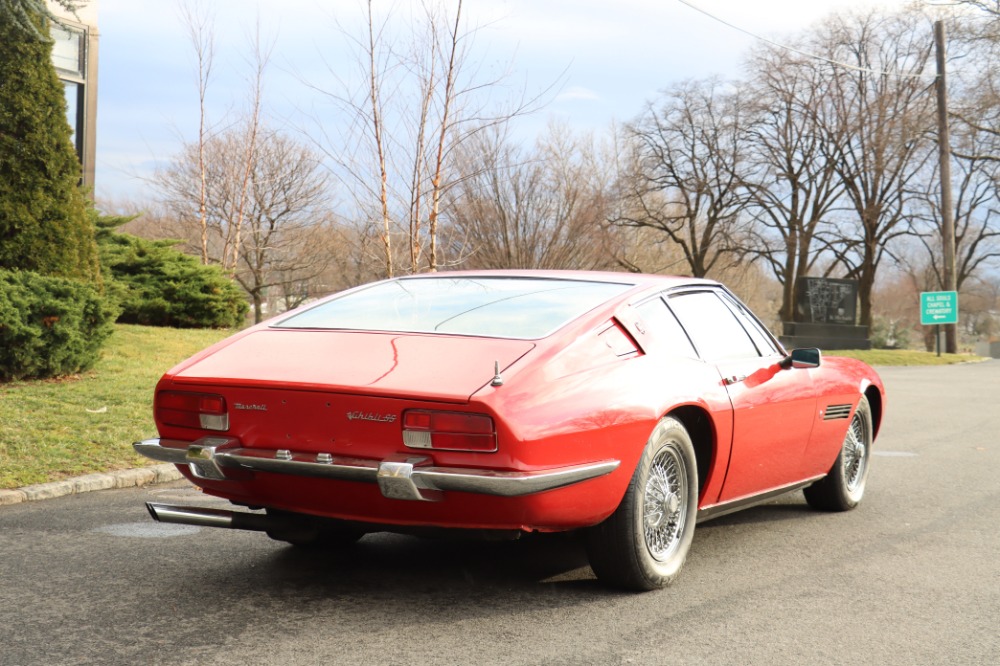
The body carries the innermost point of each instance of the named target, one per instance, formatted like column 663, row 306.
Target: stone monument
column 825, row 316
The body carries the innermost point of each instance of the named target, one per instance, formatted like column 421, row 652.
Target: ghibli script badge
column 371, row 416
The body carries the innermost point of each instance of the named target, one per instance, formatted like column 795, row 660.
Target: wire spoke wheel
column 844, row 486
column 643, row 544
column 663, row 509
column 855, row 458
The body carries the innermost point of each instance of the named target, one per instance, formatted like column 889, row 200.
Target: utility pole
column 944, row 157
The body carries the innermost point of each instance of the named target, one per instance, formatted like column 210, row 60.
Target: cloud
column 577, row 94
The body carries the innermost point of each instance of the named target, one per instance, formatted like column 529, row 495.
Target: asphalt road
column 910, row 577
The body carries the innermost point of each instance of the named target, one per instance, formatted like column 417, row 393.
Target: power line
column 813, row 56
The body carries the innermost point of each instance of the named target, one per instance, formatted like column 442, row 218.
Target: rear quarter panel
column 582, row 403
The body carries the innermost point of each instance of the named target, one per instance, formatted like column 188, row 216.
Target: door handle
column 735, row 379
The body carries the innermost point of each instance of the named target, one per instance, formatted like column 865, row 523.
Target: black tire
column 644, row 543
column 844, row 485
column 307, row 532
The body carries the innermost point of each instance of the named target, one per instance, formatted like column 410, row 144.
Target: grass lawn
column 53, row 429
column 904, row 357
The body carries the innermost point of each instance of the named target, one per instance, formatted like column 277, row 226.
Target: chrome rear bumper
column 400, row 477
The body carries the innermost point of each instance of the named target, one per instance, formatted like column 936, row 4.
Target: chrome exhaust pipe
column 203, row 517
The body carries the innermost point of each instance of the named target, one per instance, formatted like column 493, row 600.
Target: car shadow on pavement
column 446, row 562
column 449, row 566
column 391, row 562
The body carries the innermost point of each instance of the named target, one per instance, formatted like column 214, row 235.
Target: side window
column 757, row 332
column 714, row 329
column 664, row 328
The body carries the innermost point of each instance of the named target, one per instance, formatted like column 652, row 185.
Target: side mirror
column 801, row 358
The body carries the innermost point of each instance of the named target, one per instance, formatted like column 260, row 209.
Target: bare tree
column 376, row 124
column 201, row 32
column 991, row 7
column 881, row 136
column 976, row 209
column 249, row 158
column 200, row 24
column 974, row 92
column 528, row 209
column 397, row 153
column 690, row 168
column 796, row 188
column 331, row 245
column 279, row 206
column 980, row 304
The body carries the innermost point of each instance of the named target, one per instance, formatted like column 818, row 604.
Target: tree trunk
column 788, row 288
column 258, row 308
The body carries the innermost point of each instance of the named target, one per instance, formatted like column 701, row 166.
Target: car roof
column 636, row 279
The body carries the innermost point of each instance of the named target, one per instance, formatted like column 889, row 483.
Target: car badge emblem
column 371, row 416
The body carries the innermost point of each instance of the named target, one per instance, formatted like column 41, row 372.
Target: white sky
column 614, row 54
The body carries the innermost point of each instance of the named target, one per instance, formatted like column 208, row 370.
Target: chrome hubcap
column 664, row 511
column 855, row 454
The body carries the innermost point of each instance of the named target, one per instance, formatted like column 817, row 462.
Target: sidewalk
column 126, row 478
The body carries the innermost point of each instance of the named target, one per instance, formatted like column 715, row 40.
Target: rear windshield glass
column 495, row 307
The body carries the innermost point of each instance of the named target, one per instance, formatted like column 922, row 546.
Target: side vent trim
column 836, row 412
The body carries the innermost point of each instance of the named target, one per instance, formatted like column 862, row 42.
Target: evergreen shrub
column 44, row 225
column 50, row 326
column 161, row 286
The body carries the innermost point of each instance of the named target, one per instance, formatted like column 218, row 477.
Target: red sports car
column 626, row 406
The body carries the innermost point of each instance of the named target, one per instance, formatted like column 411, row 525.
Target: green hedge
column 50, row 326
column 161, row 286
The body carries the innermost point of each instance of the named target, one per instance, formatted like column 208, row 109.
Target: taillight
column 192, row 410
column 448, row 431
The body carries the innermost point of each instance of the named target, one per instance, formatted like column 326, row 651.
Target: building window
column 67, row 50
column 69, row 55
column 74, row 113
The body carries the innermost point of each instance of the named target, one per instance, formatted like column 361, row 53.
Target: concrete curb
column 127, row 478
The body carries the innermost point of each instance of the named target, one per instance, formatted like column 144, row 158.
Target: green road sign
column 938, row 307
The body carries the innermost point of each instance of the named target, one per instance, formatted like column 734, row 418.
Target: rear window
column 525, row 308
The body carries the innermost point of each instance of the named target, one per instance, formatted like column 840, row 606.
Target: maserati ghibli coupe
column 627, row 407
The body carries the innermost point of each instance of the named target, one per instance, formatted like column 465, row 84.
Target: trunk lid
column 430, row 367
